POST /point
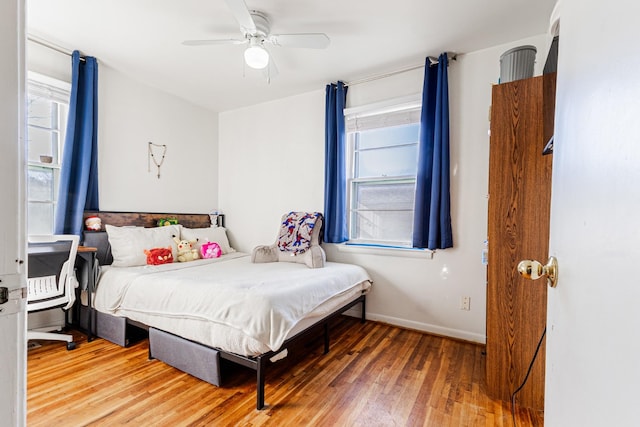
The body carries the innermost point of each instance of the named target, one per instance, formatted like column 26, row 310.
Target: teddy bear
column 186, row 251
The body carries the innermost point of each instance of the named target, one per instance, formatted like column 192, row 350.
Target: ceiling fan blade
column 241, row 13
column 213, row 42
column 309, row 40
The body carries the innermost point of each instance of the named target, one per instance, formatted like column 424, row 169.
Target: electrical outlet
column 465, row 303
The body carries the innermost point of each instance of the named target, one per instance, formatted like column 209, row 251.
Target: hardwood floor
column 374, row 375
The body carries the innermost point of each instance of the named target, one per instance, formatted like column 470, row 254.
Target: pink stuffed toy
column 210, row 250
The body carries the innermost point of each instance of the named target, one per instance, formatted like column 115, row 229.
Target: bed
column 201, row 312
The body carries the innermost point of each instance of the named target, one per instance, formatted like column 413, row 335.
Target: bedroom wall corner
column 131, row 115
column 271, row 162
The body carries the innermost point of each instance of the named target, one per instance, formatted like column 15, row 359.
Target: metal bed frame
column 117, row 330
column 259, row 363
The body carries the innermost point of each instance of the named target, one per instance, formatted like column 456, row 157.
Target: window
column 47, row 109
column 381, row 176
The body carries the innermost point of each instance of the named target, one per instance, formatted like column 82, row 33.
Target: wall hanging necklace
column 152, row 157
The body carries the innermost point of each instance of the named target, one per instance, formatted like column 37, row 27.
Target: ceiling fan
column 255, row 29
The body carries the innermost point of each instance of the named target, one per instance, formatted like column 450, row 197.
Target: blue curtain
column 78, row 190
column 432, row 212
column 335, row 179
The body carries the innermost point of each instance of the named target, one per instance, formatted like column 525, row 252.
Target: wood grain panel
column 374, row 375
column 149, row 219
column 519, row 201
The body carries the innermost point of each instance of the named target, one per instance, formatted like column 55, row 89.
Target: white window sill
column 385, row 250
column 45, row 165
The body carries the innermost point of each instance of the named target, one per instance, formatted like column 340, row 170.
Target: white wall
column 593, row 372
column 130, row 114
column 48, row 62
column 272, row 161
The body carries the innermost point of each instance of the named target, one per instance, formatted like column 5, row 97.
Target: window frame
column 58, row 92
column 385, row 114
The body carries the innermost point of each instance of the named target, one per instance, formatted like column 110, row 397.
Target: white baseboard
column 422, row 327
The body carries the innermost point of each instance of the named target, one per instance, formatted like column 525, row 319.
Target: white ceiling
column 142, row 38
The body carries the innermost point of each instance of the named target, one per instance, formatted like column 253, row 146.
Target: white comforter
column 262, row 301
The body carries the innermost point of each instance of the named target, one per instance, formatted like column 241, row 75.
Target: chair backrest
column 50, row 276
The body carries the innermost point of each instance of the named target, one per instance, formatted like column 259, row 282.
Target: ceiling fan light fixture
column 256, row 57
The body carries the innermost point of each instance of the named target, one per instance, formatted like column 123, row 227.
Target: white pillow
column 128, row 243
column 210, row 234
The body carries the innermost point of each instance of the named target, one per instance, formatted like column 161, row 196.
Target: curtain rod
column 432, row 61
column 47, row 44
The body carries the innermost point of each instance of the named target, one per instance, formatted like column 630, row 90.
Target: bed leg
column 362, row 319
column 326, row 338
column 260, row 366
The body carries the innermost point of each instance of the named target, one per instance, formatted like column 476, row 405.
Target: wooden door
column 519, row 205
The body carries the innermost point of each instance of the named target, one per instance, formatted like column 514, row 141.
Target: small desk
column 43, row 255
column 88, row 255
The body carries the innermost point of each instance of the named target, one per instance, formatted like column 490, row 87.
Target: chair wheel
column 71, row 345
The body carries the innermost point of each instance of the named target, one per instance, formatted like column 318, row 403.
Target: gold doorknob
column 532, row 269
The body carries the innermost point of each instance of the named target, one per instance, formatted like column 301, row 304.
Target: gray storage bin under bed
column 196, row 359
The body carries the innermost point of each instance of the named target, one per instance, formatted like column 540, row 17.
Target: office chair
column 51, row 279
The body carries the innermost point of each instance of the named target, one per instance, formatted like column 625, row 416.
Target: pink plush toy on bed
column 210, row 250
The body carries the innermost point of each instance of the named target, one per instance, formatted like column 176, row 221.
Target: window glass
column 382, row 227
column 383, row 167
column 389, row 161
column 389, row 136
column 47, row 109
column 40, row 184
column 40, row 219
column 41, row 142
column 384, row 196
column 41, row 112
column 383, row 212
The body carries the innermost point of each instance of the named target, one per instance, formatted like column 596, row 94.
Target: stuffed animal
column 186, row 251
column 210, row 250
column 157, row 256
column 93, row 223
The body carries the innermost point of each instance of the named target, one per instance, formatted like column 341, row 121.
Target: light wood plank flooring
column 374, row 375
